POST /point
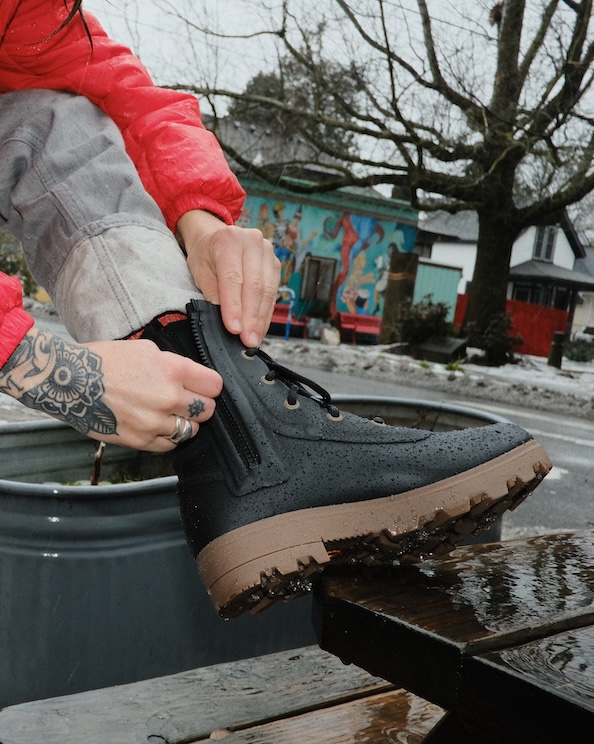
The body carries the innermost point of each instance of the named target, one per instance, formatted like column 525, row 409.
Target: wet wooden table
column 499, row 635
column 291, row 697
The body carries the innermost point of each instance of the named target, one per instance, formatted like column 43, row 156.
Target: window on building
column 544, row 242
column 522, row 292
column 318, row 275
column 537, row 294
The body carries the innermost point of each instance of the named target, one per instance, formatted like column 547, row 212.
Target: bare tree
column 467, row 105
column 294, row 86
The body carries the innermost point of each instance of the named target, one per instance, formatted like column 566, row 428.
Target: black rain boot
column 279, row 483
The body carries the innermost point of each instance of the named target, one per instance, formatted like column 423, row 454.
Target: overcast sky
column 162, row 42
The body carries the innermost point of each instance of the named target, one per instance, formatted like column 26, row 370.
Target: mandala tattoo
column 62, row 379
column 196, row 407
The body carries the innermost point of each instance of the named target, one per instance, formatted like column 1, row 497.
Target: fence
column 536, row 324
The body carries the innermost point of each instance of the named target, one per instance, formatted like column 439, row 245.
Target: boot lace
column 296, row 383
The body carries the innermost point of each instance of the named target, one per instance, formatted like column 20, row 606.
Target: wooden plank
column 406, row 655
column 450, row 729
column 415, row 625
column 481, row 592
column 190, row 705
column 395, row 716
column 542, row 691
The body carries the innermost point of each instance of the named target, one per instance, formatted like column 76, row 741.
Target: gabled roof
column 586, row 264
column 463, row 227
column 543, row 272
column 572, row 237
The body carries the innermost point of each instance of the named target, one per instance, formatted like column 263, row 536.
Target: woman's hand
column 123, row 392
column 235, row 268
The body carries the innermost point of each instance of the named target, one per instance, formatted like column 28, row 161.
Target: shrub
column 496, row 341
column 454, row 366
column 579, row 352
column 423, row 320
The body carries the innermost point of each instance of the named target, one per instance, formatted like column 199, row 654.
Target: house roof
column 586, row 264
column 543, row 272
column 261, row 145
column 464, row 227
column 461, row 226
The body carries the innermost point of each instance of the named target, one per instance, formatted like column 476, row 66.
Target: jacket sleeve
column 14, row 321
column 180, row 162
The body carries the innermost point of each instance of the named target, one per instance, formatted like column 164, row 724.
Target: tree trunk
column 488, row 292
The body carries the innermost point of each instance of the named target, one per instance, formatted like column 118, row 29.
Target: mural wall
column 358, row 248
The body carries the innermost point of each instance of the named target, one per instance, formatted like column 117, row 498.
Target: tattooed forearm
column 62, row 379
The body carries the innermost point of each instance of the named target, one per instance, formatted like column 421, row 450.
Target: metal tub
column 97, row 584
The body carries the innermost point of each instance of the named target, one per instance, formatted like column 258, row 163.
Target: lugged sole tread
column 244, row 571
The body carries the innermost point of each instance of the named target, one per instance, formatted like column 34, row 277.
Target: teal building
column 334, row 247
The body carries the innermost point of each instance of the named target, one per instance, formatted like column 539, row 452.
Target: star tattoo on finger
column 196, row 407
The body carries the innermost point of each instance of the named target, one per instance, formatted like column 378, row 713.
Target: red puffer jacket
column 14, row 321
column 179, row 162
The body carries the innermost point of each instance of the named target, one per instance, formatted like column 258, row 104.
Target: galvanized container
column 97, row 584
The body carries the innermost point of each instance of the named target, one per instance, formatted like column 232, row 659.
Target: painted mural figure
column 278, row 237
column 280, row 224
column 382, row 266
column 290, row 243
column 264, row 223
column 357, row 235
column 354, row 295
column 295, row 244
column 305, row 248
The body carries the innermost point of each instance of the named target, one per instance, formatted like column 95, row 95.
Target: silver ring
column 180, row 434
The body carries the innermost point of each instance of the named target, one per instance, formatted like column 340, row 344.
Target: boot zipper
column 225, row 407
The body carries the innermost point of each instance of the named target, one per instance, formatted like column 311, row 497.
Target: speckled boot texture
column 280, row 484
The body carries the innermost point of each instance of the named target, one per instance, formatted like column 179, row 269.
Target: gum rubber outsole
column 276, row 559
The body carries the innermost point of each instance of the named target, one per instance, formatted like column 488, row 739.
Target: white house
column 547, row 265
column 584, row 310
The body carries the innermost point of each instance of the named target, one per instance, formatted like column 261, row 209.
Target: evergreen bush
column 424, row 319
column 496, row 341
